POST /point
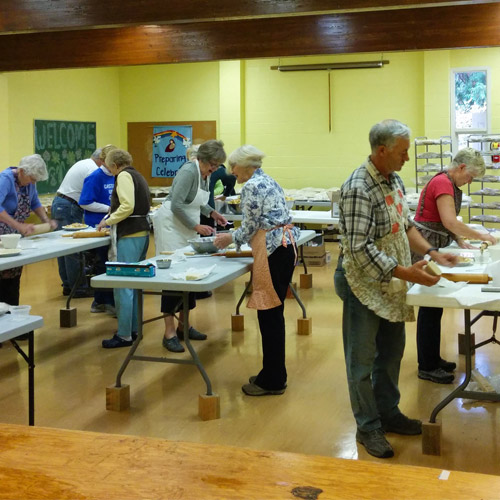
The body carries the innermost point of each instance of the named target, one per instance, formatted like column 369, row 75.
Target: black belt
column 64, row 197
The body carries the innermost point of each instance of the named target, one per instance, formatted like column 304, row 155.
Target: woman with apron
column 18, row 197
column 436, row 219
column 178, row 220
column 266, row 226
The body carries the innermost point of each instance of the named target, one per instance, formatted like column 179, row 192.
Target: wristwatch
column 431, row 249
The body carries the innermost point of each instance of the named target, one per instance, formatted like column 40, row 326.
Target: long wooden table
column 41, row 463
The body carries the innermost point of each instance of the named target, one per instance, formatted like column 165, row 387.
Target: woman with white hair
column 436, row 219
column 18, row 198
column 266, row 226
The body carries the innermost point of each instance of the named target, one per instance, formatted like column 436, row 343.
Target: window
column 469, row 106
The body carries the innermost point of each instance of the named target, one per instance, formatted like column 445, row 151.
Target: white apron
column 386, row 300
column 170, row 233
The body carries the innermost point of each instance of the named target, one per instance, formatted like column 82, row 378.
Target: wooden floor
column 312, row 417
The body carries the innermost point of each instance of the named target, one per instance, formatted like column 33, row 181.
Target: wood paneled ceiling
column 46, row 34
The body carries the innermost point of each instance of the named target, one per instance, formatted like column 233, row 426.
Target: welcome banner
column 169, row 149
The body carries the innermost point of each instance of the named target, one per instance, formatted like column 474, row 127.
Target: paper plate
column 72, row 228
column 9, row 252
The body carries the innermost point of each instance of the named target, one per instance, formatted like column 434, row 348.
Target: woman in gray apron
column 436, row 219
column 178, row 220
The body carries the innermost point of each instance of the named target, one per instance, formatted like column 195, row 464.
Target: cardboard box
column 315, row 247
column 315, row 261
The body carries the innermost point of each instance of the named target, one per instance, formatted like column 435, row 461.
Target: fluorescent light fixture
column 332, row 66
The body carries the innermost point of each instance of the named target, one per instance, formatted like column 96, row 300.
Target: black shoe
column 438, row 376
column 116, row 341
column 202, row 295
column 193, row 334
column 375, row 443
column 447, row 366
column 401, row 424
column 253, row 378
column 255, row 390
column 83, row 293
column 172, row 345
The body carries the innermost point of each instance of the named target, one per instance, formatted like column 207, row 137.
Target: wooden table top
column 43, row 463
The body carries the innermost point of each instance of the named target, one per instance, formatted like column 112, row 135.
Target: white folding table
column 468, row 298
column 11, row 327
column 48, row 246
column 118, row 396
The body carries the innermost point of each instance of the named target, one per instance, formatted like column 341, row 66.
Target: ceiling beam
column 31, row 16
column 375, row 31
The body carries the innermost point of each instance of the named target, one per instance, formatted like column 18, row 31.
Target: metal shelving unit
column 484, row 198
column 431, row 156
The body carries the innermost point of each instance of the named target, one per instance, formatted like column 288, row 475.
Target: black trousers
column 9, row 290
column 272, row 322
column 169, row 303
column 429, row 337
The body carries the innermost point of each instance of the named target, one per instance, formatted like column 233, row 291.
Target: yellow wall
column 4, row 122
column 79, row 95
column 169, row 92
column 284, row 114
column 288, row 114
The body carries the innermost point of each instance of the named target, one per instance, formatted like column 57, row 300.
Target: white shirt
column 73, row 180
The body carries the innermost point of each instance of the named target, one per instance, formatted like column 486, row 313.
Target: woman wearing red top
column 436, row 219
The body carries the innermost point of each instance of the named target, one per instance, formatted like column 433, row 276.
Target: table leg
column 31, row 377
column 67, row 317
column 304, row 324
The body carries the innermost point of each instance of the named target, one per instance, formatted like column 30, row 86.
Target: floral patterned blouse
column 263, row 206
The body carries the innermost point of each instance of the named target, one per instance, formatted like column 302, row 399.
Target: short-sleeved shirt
column 8, row 192
column 437, row 186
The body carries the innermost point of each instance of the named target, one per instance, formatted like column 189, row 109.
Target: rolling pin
column 474, row 279
column 90, row 234
column 41, row 228
column 232, row 254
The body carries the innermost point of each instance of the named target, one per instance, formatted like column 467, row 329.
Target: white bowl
column 20, row 310
column 10, row 240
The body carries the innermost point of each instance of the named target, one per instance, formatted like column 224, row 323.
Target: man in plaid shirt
column 372, row 279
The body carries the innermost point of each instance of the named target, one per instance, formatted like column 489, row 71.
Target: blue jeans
column 65, row 212
column 126, row 300
column 373, row 348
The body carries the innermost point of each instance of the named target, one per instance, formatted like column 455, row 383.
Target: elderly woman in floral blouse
column 266, row 226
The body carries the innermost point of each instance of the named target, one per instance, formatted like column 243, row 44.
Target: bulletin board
column 140, row 144
column 61, row 144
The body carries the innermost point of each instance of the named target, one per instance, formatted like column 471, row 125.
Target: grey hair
column 246, row 156
column 192, row 152
column 387, row 132
column 473, row 160
column 211, row 151
column 34, row 166
column 119, row 157
column 96, row 154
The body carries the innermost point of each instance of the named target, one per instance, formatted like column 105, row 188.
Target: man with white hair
column 66, row 211
column 371, row 279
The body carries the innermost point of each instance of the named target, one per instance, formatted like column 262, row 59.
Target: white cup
column 10, row 240
column 494, row 251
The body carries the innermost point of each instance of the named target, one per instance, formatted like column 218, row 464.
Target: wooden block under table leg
column 118, row 398
column 304, row 326
column 306, row 280
column 67, row 317
column 431, row 438
column 209, row 406
column 237, row 322
column 461, row 343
